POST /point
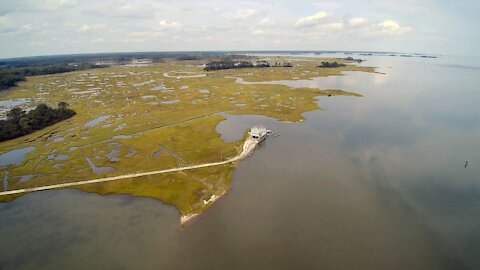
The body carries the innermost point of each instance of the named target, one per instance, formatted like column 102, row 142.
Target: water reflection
column 371, row 183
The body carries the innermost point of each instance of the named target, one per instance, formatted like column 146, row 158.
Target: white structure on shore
column 259, row 133
column 144, row 61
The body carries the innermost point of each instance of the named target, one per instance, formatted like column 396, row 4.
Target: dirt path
column 248, row 147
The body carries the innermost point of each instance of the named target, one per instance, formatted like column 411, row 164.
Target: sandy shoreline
column 184, row 219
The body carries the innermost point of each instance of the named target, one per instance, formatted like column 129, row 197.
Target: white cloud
column 266, row 21
column 389, row 24
column 243, row 14
column 258, row 32
column 98, row 40
column 327, row 5
column 125, row 10
column 186, row 24
column 358, row 21
column 408, row 6
column 147, row 34
column 393, row 28
column 311, row 20
column 53, row 4
column 26, row 27
column 6, row 25
column 334, row 26
column 87, row 27
column 163, row 25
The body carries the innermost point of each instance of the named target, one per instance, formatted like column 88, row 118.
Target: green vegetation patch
column 136, row 119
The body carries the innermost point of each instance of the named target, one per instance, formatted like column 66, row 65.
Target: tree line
column 20, row 123
column 229, row 63
column 331, row 65
column 9, row 76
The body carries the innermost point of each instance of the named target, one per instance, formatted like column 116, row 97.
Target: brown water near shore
column 376, row 182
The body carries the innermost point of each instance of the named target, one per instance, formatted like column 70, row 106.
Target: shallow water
column 98, row 170
column 143, row 83
column 376, row 182
column 61, row 157
column 122, row 137
column 170, row 101
column 97, row 121
column 10, row 103
column 160, row 87
column 25, row 178
column 112, row 155
column 157, row 153
column 166, row 74
column 5, row 180
column 15, row 157
column 58, row 139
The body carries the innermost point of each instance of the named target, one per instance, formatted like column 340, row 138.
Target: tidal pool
column 26, row 177
column 122, row 136
column 166, row 74
column 170, row 101
column 9, row 103
column 98, row 170
column 160, row 87
column 97, row 121
column 15, row 157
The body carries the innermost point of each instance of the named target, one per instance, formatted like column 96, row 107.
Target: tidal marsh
column 121, row 125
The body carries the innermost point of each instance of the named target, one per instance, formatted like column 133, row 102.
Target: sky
column 50, row 27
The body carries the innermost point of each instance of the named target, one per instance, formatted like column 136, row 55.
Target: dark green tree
column 63, row 105
column 15, row 113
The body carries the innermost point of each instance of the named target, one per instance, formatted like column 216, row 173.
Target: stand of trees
column 10, row 76
column 284, row 64
column 331, row 65
column 353, row 59
column 20, row 123
column 228, row 64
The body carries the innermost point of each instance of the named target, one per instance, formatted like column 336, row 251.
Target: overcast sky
column 44, row 27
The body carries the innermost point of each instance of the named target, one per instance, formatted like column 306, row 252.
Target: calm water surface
column 376, row 182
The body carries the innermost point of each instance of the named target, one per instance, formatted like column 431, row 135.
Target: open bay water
column 372, row 182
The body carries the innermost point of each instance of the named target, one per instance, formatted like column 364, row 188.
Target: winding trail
column 248, row 146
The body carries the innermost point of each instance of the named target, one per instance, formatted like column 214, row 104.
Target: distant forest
column 10, row 76
column 14, row 70
column 229, row 63
column 20, row 123
column 331, row 65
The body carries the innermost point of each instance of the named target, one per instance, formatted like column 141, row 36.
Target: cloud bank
column 32, row 27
